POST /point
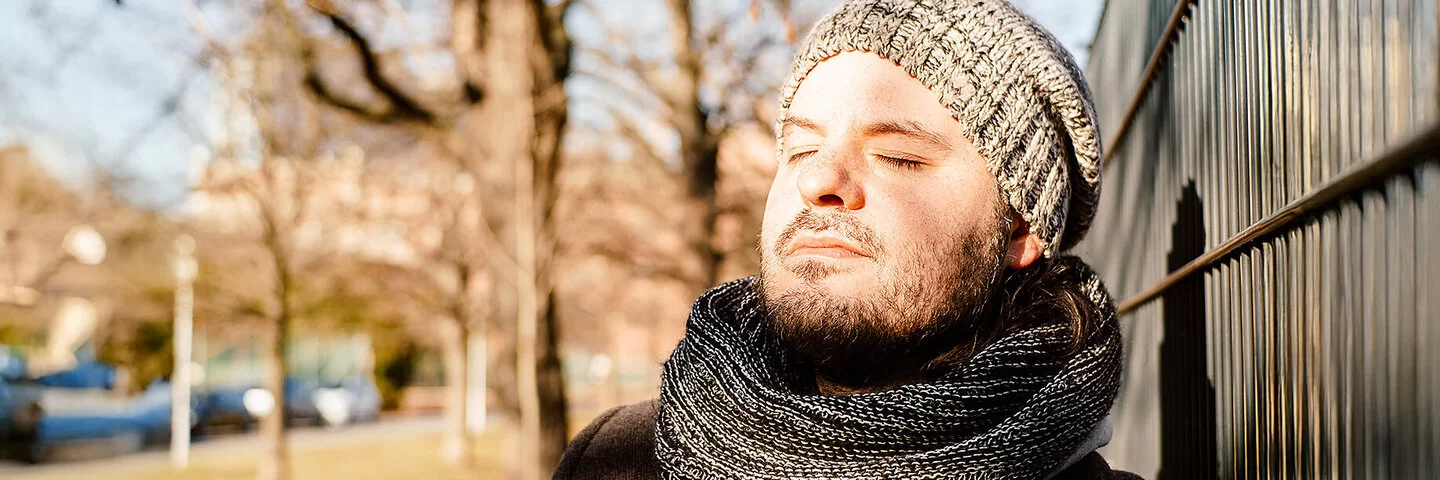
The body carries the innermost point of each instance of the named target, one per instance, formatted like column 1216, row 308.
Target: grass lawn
column 368, row 456
column 408, row 457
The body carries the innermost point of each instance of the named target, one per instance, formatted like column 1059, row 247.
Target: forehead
column 855, row 87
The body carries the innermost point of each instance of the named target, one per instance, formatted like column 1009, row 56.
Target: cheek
column 919, row 218
column 925, row 219
column 781, row 206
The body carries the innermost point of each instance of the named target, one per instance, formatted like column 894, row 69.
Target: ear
column 1024, row 247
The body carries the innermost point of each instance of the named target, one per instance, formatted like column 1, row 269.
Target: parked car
column 7, row 407
column 48, row 423
column 352, row 400
column 51, row 423
column 243, row 406
column 306, row 402
column 84, row 375
column 11, row 369
column 226, row 407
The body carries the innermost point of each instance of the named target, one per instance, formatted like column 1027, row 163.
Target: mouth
column 825, row 244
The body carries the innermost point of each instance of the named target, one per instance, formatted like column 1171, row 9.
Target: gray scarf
column 1015, row 410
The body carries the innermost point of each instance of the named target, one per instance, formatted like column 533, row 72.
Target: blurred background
column 451, row 232
column 434, row 238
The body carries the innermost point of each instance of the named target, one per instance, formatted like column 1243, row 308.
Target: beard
column 928, row 301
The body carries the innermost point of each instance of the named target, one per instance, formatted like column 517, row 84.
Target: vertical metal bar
column 1302, row 370
column 1403, row 290
column 1345, row 93
column 1352, row 452
column 1430, row 37
column 1427, row 309
column 1255, row 192
column 1310, row 380
column 1336, row 344
column 1262, row 149
column 1281, row 66
column 1330, row 384
column 1307, row 22
column 1330, row 350
column 1309, row 92
column 1228, row 209
column 1211, row 20
column 1334, row 81
column 1397, row 55
column 1373, row 410
column 1372, row 121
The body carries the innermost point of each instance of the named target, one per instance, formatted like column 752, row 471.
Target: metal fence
column 1270, row 219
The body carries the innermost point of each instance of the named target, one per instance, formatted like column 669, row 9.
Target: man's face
column 883, row 227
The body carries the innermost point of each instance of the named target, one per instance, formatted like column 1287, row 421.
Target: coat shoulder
column 619, row 444
column 1093, row 467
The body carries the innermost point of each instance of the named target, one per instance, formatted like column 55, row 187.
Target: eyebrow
column 792, row 122
column 906, row 128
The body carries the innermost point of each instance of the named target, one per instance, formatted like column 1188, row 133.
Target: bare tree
column 445, row 245
column 30, row 199
column 272, row 130
column 512, row 58
column 716, row 57
column 457, row 262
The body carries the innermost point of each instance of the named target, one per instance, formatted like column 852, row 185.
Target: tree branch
column 643, row 268
column 402, row 106
column 738, row 83
column 318, row 88
column 638, row 96
column 645, row 73
column 627, row 129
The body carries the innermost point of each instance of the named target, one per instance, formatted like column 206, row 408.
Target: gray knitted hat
column 1015, row 91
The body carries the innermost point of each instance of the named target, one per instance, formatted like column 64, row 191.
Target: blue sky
column 88, row 84
column 85, row 83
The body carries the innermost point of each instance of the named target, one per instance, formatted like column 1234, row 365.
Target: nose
column 826, row 180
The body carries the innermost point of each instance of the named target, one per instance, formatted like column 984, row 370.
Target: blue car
column 306, row 402
column 7, row 407
column 10, row 370
column 59, row 419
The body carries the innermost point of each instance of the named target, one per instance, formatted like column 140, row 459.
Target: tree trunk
column 509, row 117
column 702, row 150
column 554, row 415
column 456, row 447
column 527, row 53
column 275, row 463
column 551, row 54
column 699, row 147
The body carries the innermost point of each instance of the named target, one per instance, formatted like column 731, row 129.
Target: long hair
column 1049, row 290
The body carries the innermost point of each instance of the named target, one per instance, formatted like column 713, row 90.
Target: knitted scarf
column 1016, row 410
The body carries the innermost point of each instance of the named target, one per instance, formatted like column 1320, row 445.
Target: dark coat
column 620, row 445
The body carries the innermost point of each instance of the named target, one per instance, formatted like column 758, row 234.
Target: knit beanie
column 1018, row 95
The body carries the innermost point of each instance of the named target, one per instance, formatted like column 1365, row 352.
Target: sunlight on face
column 879, row 201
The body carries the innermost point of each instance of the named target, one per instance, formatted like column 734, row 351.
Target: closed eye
column 900, row 163
column 798, row 156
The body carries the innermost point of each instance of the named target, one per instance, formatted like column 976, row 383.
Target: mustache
column 844, row 224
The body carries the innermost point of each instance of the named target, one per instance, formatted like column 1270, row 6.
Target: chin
column 823, row 276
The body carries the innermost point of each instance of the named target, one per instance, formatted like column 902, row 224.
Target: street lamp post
column 185, row 270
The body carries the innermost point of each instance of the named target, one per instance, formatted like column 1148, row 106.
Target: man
column 913, row 317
